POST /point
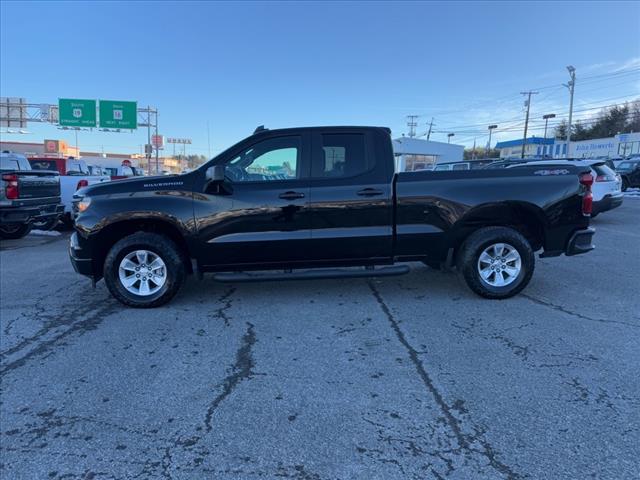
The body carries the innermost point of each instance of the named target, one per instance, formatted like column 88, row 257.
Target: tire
column 13, row 232
column 625, row 184
column 48, row 224
column 515, row 274
column 66, row 221
column 156, row 246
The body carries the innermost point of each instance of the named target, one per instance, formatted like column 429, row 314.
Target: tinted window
column 43, row 164
column 270, row 160
column 14, row 162
column 440, row 168
column 343, row 155
column 627, row 165
column 462, row 166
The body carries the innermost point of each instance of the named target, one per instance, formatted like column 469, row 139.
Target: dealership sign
column 184, row 141
column 74, row 112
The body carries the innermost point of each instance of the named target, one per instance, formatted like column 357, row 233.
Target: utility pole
column 571, row 86
column 430, row 127
column 412, row 124
column 157, row 145
column 146, row 148
column 527, row 103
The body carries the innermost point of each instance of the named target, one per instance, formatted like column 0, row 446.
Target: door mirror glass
column 216, row 173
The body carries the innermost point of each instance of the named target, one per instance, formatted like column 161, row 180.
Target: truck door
column 351, row 198
column 262, row 216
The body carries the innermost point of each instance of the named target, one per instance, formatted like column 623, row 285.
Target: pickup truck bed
column 326, row 197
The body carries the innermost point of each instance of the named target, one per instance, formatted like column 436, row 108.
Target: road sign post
column 74, row 112
column 114, row 114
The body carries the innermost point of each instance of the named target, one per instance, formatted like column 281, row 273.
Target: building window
column 564, row 149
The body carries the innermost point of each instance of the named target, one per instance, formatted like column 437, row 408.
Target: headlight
column 83, row 204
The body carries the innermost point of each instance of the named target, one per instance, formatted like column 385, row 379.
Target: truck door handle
column 291, row 195
column 369, row 192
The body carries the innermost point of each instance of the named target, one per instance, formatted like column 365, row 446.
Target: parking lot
column 404, row 377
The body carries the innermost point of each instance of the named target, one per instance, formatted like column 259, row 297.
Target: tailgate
column 38, row 184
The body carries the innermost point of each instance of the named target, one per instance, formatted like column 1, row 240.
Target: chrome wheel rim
column 499, row 265
column 142, row 273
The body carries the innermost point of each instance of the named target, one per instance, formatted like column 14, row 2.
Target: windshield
column 77, row 169
column 627, row 165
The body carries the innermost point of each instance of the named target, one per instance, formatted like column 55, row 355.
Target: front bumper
column 608, row 202
column 22, row 215
column 81, row 263
column 580, row 242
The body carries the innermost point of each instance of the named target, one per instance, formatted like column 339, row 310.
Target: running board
column 312, row 274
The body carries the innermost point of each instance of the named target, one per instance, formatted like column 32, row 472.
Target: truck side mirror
column 216, row 173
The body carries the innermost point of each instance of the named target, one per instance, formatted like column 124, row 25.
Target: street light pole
column 546, row 121
column 491, row 128
column 571, row 86
column 449, row 135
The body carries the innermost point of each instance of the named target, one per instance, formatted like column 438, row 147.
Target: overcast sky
column 239, row 65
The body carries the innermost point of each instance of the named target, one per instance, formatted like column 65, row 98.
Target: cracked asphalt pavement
column 410, row 377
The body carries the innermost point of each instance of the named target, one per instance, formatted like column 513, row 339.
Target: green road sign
column 73, row 112
column 118, row 114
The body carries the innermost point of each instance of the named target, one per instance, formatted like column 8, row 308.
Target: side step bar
column 313, row 274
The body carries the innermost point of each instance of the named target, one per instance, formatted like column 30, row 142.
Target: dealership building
column 417, row 154
column 621, row 145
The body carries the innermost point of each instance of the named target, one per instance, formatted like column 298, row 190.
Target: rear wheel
column 14, row 231
column 47, row 224
column 496, row 262
column 144, row 270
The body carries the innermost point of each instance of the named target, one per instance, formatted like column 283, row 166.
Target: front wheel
column 496, row 262
column 144, row 270
column 14, row 231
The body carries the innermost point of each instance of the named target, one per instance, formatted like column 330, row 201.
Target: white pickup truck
column 74, row 174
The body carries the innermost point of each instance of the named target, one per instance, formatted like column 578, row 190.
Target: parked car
column 74, row 174
column 451, row 166
column 606, row 188
column 503, row 164
column 340, row 204
column 28, row 198
column 629, row 171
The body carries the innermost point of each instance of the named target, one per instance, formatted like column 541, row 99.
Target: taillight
column 11, row 188
column 586, row 179
column 82, row 183
column 605, row 178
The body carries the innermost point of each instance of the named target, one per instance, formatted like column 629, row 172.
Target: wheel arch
column 115, row 231
column 526, row 218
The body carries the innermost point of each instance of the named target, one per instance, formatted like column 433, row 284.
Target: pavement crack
column 221, row 312
column 453, row 423
column 93, row 318
column 560, row 308
column 241, row 370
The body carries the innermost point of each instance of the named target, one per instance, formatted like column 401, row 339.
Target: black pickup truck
column 326, row 202
column 28, row 198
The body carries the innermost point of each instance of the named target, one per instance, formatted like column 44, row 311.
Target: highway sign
column 73, row 112
column 114, row 114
